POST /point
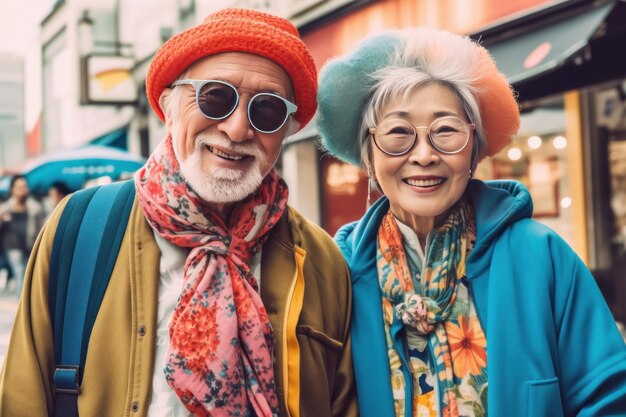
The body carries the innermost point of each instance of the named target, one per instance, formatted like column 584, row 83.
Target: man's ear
column 164, row 108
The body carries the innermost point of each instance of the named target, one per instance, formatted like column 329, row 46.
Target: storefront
column 606, row 104
column 565, row 61
column 338, row 193
column 571, row 147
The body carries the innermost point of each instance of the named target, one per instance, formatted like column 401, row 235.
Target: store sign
column 107, row 79
column 538, row 55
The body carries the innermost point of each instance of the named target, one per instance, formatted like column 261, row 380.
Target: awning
column 543, row 49
column 115, row 139
column 75, row 167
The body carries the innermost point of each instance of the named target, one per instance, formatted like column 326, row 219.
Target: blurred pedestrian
column 6, row 273
column 21, row 219
column 463, row 305
column 57, row 192
column 224, row 301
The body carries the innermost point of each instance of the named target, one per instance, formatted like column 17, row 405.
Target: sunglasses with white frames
column 267, row 112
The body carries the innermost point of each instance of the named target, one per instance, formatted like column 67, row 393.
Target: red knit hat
column 238, row 30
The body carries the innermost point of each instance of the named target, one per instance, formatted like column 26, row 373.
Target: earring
column 470, row 173
column 371, row 186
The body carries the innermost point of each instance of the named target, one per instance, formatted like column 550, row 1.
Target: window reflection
column 538, row 158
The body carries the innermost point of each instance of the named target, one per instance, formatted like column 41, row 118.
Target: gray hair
column 425, row 56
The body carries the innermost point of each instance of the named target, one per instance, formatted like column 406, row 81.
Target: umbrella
column 75, row 167
column 4, row 185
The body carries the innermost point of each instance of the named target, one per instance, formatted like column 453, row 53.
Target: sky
column 19, row 23
column 19, row 34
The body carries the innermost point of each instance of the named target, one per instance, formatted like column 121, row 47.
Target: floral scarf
column 220, row 356
column 427, row 310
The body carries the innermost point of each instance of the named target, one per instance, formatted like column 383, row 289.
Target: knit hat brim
column 344, row 87
column 346, row 83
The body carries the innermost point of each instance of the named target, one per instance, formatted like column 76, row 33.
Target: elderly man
column 223, row 301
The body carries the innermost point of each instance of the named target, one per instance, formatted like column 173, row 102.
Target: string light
column 514, row 154
column 559, row 142
column 534, row 142
column 566, row 202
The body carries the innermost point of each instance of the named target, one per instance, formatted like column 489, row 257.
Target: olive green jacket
column 305, row 289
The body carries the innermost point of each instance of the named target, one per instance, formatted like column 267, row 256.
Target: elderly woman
column 462, row 304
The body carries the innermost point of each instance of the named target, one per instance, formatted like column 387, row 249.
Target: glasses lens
column 395, row 136
column 449, row 134
column 267, row 112
column 217, row 100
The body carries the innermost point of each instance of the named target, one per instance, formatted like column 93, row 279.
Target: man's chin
column 220, row 196
column 222, row 191
column 221, row 185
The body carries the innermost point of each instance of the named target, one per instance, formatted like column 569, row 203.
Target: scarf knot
column 420, row 313
column 426, row 308
column 238, row 247
column 217, row 245
column 240, row 253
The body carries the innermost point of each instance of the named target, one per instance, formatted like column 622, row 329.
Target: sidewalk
column 8, row 306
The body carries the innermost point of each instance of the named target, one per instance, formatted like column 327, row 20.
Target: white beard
column 221, row 185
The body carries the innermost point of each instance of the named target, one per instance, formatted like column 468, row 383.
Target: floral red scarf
column 220, row 356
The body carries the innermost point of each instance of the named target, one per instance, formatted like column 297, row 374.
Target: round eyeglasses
column 267, row 112
column 447, row 134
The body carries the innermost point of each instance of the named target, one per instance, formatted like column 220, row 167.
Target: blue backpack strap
column 85, row 249
column 64, row 243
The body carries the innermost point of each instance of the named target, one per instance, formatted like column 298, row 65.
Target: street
column 8, row 305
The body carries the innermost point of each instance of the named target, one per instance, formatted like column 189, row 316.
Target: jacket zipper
column 293, row 308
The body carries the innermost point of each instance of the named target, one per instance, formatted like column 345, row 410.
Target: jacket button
column 141, row 330
column 135, row 407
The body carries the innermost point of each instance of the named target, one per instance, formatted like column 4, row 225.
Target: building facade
column 560, row 56
column 12, row 137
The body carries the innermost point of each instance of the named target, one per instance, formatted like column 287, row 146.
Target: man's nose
column 237, row 126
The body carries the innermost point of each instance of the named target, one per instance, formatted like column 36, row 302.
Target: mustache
column 248, row 148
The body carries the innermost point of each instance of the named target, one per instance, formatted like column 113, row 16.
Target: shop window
column 608, row 177
column 617, row 169
column 344, row 193
column 538, row 158
column 610, row 109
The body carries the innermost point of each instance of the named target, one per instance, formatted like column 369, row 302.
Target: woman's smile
column 425, row 183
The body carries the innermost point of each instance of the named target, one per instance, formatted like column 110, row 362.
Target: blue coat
column 553, row 348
